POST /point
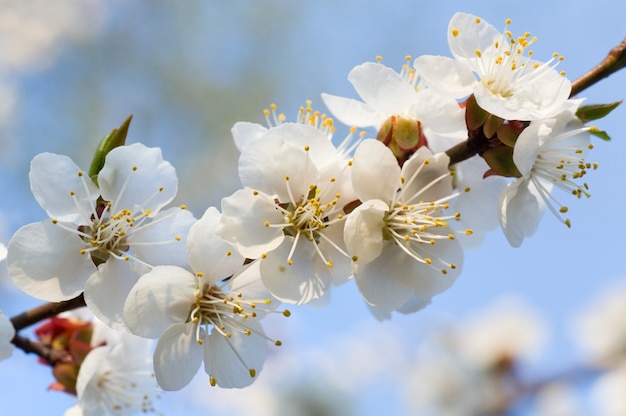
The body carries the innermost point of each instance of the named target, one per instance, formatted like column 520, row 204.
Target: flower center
column 416, row 228
column 225, row 311
column 563, row 167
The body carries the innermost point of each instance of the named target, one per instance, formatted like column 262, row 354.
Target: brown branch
column 46, row 353
column 46, row 311
column 614, row 61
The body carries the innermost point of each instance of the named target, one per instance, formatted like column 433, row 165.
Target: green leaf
column 591, row 112
column 601, row 134
column 116, row 138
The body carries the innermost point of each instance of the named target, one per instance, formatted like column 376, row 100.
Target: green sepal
column 491, row 125
column 591, row 112
column 600, row 134
column 500, row 160
column 116, row 138
column 475, row 116
column 509, row 132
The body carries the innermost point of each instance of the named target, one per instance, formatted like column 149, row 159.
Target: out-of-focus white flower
column 507, row 330
column 498, row 69
column 3, row 252
column 441, row 383
column 402, row 249
column 548, row 153
column 290, row 213
column 211, row 314
column 601, row 329
column 116, row 379
column 32, row 33
column 56, row 259
column 607, row 393
column 7, row 332
column 557, row 399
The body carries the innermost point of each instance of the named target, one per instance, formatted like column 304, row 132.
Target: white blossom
column 119, row 226
column 498, row 69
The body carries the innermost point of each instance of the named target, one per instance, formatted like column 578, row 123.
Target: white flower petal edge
column 136, row 177
column 177, row 356
column 45, row 261
column 7, row 332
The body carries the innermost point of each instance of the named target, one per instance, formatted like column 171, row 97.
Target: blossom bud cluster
column 393, row 211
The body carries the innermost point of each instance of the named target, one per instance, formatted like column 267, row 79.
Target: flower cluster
column 461, row 144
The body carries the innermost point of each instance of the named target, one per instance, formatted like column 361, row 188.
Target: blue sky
column 309, row 48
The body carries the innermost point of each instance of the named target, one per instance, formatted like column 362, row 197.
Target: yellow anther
column 264, row 255
column 278, row 343
column 54, row 221
column 161, row 189
column 199, row 274
column 469, row 232
column 307, row 148
column 563, row 210
column 455, row 32
column 199, row 341
column 134, row 168
column 266, row 223
column 428, row 261
column 80, row 173
column 478, row 53
column 177, row 238
column 212, row 381
column 289, row 262
column 568, row 223
column 507, row 22
column 355, row 258
column 252, row 372
column 444, row 271
column 286, row 313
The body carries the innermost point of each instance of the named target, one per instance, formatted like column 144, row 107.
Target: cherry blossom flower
column 244, row 132
column 386, row 93
column 548, row 153
column 211, row 314
column 116, row 379
column 498, row 69
column 290, row 211
column 121, row 220
column 7, row 332
column 400, row 231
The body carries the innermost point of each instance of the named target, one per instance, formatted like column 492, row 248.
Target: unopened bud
column 402, row 135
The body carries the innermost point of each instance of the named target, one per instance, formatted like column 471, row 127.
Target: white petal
column 382, row 88
column 208, row 253
column 136, row 177
column 520, row 211
column 106, row 291
column 52, row 180
column 7, row 332
column 159, row 299
column 306, row 279
column 473, row 34
column 163, row 239
column 177, row 357
column 243, row 223
column 374, row 283
column 432, row 182
column 44, row 261
column 229, row 360
column 352, row 112
column 363, row 230
column 440, row 114
column 375, row 171
column 245, row 133
column 528, row 143
column 447, row 76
